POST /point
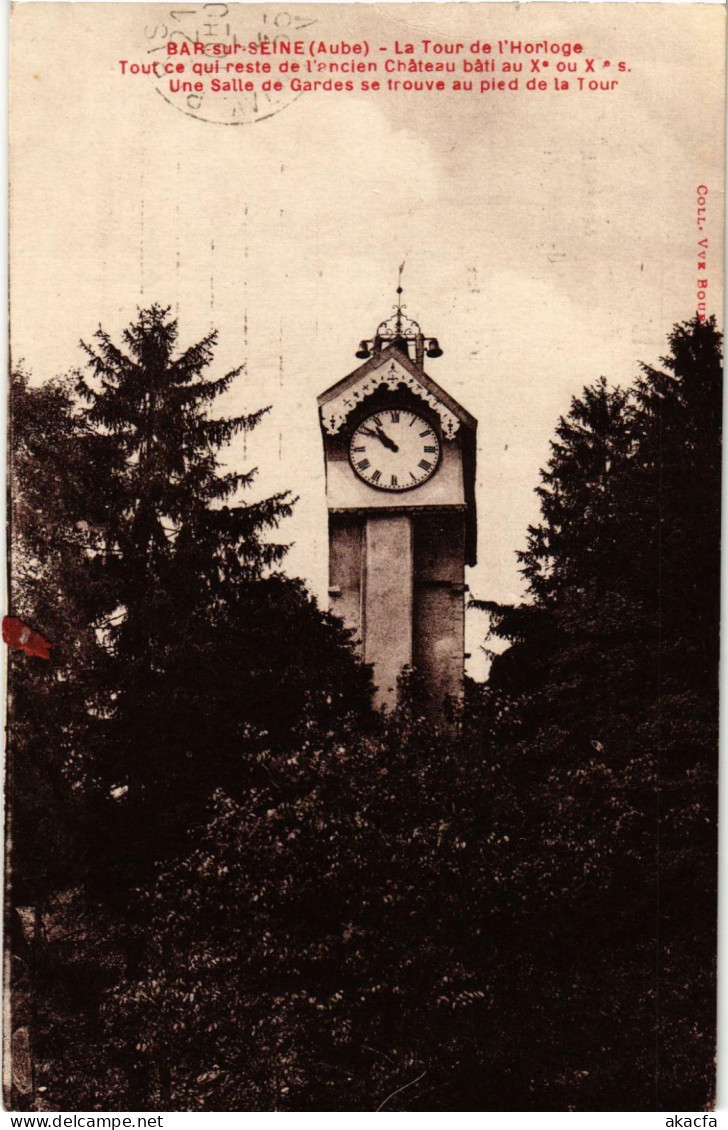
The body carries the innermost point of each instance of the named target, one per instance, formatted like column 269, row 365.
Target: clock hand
column 379, row 434
column 386, row 440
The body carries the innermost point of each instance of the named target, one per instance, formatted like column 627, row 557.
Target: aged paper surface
column 550, row 176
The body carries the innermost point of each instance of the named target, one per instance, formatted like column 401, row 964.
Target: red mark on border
column 17, row 634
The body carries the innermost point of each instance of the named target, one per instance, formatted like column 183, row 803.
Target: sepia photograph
column 363, row 557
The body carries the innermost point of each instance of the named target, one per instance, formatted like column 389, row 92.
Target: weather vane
column 401, row 330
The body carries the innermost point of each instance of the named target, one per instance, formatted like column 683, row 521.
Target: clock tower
column 400, row 489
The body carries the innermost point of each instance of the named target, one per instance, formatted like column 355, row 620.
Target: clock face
column 394, row 450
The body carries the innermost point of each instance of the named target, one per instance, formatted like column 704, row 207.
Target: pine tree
column 677, row 480
column 175, row 546
column 179, row 653
column 576, row 537
column 605, row 708
column 677, row 495
column 575, row 558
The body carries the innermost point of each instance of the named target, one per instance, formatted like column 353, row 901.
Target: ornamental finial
column 400, row 330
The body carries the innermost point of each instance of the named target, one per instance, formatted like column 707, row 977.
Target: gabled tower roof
column 383, row 368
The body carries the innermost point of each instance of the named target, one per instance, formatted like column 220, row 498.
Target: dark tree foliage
column 165, row 578
column 173, row 549
column 177, row 649
column 576, row 540
column 319, row 946
column 52, row 588
column 373, row 927
column 680, row 409
column 56, row 476
column 612, row 675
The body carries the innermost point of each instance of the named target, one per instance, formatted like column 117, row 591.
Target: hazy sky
column 548, row 238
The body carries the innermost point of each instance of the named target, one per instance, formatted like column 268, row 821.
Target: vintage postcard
column 364, row 545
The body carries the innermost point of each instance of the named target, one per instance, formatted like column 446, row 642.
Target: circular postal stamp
column 221, row 63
